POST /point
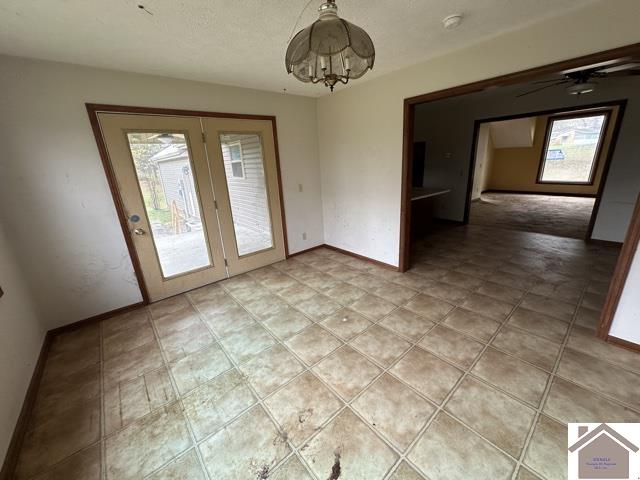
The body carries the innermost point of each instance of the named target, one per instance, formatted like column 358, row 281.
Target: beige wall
column 517, row 168
column 360, row 127
column 21, row 337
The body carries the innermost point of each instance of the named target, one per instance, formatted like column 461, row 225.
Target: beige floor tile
column 247, row 342
column 132, row 363
column 558, row 291
column 344, row 293
column 345, row 323
column 405, row 472
column 54, row 439
column 487, row 306
column 318, row 307
column 452, row 345
column 312, row 344
column 569, row 403
column 347, row 440
column 186, row 341
column 302, row 407
column 472, row 323
column 195, row 369
column 367, row 282
column 524, row 474
column 145, row 446
column 76, row 341
column 501, row 292
column 450, row 451
column 407, row 324
column 211, row 405
column 394, row 410
column 427, row 374
column 287, row 323
column 125, row 321
column 128, row 401
column 449, row 293
column 584, row 340
column 596, row 374
column 225, row 323
column 173, row 322
column 296, row 293
column 126, row 340
column 343, row 272
column 531, row 348
column 547, row 451
column 396, row 294
column 588, row 318
column 510, row 280
column 347, row 371
column 594, row 301
column 250, row 447
column 271, row 369
column 461, row 280
column 168, row 307
column 215, row 305
column 429, row 307
column 381, row 345
column 290, row 470
column 265, row 307
column 373, row 307
column 508, row 373
column 412, row 280
column 72, row 357
column 84, row 465
column 549, row 306
column 469, row 268
column 59, row 393
column 539, row 323
column 185, row 467
column 497, row 417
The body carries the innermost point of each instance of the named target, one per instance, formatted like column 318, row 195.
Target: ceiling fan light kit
column 581, row 88
column 330, row 50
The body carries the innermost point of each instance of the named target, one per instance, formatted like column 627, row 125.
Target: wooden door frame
column 623, row 265
column 93, row 109
column 605, row 106
column 503, row 80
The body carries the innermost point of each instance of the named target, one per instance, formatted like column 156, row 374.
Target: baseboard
column 604, row 243
column 362, row 257
column 526, row 192
column 15, row 444
column 623, row 343
column 305, row 251
column 95, row 319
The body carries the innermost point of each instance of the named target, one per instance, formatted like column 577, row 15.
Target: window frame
column 232, row 161
column 597, row 154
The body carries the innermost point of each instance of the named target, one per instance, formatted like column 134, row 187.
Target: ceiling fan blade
column 541, row 88
column 596, row 66
column 551, row 80
column 619, row 68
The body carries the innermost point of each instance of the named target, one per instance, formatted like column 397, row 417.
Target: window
column 572, row 148
column 237, row 165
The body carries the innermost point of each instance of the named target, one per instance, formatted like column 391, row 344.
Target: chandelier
column 330, row 50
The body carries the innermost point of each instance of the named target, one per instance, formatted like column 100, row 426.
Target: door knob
column 139, row 231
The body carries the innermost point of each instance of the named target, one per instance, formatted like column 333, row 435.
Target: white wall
column 21, row 336
column 54, row 198
column 626, row 321
column 360, row 128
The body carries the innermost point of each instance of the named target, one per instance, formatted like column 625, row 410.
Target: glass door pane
column 165, row 175
column 245, row 176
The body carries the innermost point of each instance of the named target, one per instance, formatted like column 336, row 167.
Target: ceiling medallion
column 330, row 50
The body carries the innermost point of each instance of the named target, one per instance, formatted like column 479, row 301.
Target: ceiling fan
column 580, row 79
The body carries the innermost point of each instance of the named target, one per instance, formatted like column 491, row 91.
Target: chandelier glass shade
column 330, row 50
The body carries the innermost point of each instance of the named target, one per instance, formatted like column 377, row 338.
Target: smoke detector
column 452, row 21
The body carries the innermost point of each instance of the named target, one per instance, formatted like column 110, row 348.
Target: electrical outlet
column 304, row 235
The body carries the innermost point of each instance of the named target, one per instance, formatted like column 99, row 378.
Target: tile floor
column 466, row 367
column 550, row 214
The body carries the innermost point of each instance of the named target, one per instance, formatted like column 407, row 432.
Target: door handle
column 139, row 231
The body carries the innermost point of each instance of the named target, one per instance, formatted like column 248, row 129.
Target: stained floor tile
column 312, row 344
column 197, row 368
column 247, row 448
column 271, row 369
column 345, row 323
column 347, row 371
column 362, row 455
column 186, row 467
column 84, row 465
column 405, row 472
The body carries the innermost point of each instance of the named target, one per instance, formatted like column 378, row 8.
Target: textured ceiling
column 242, row 42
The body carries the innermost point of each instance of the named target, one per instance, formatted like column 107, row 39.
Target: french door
column 200, row 195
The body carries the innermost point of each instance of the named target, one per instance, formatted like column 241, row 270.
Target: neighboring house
column 575, row 136
column 176, row 179
column 603, row 453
